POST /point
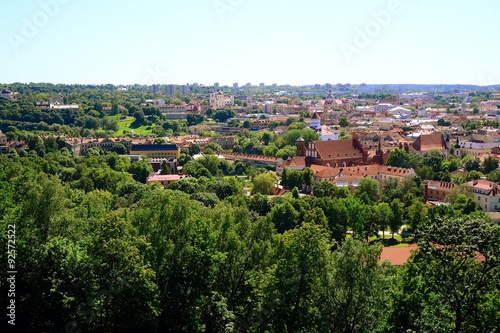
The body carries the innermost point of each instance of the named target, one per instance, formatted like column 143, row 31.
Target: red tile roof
column 259, row 158
column 397, row 255
column 484, row 185
column 360, row 171
column 427, row 142
column 296, row 162
column 337, row 148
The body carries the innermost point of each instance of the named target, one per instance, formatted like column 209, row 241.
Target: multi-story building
column 335, row 153
column 437, row 190
column 331, row 103
column 170, row 89
column 156, row 151
column 383, row 107
column 256, row 160
column 351, row 176
column 80, row 145
column 332, row 154
column 218, row 100
column 157, row 163
column 226, row 142
column 427, row 142
column 486, row 193
column 172, row 108
column 154, row 88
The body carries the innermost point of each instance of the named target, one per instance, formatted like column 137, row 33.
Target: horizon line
column 257, row 85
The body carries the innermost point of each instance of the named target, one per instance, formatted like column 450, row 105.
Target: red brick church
column 331, row 153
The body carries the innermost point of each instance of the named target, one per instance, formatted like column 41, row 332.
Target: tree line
column 99, row 250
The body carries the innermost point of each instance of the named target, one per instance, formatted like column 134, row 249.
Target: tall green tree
column 140, row 170
column 359, row 215
column 399, row 158
column 295, row 287
column 367, row 191
column 357, row 289
column 489, row 164
column 397, row 219
column 450, row 280
column 284, row 216
column 264, row 183
column 294, row 178
column 382, row 215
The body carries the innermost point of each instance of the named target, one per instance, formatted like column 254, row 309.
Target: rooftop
column 154, row 147
column 397, row 255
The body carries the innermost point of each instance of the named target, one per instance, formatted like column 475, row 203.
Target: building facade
column 486, row 194
column 156, row 151
column 335, row 153
column 218, row 100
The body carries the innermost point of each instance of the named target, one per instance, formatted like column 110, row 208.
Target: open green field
column 125, row 127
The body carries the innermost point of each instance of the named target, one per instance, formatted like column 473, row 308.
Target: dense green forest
column 90, row 118
column 98, row 250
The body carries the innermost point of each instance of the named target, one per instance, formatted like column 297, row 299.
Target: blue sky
column 273, row 41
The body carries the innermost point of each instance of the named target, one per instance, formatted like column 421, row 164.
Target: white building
column 329, row 133
column 59, row 106
column 218, row 100
column 325, row 132
column 383, row 107
column 399, row 112
column 486, row 193
column 315, row 122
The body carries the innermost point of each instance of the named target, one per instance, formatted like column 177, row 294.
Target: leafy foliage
column 99, row 250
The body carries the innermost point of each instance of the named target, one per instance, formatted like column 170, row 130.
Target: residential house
column 437, row 190
column 226, row 142
column 486, row 193
column 351, row 176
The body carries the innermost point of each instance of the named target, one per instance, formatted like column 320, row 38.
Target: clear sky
column 271, row 41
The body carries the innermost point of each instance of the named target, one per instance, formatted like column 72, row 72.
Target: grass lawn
column 388, row 241
column 401, row 245
column 388, row 235
column 398, row 241
column 124, row 127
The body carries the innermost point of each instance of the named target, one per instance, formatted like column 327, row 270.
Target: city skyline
column 227, row 41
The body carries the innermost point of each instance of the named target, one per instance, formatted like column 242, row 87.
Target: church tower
column 301, row 147
column 315, row 122
column 456, row 148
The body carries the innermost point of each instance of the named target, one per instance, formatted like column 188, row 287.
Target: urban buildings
column 218, row 100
